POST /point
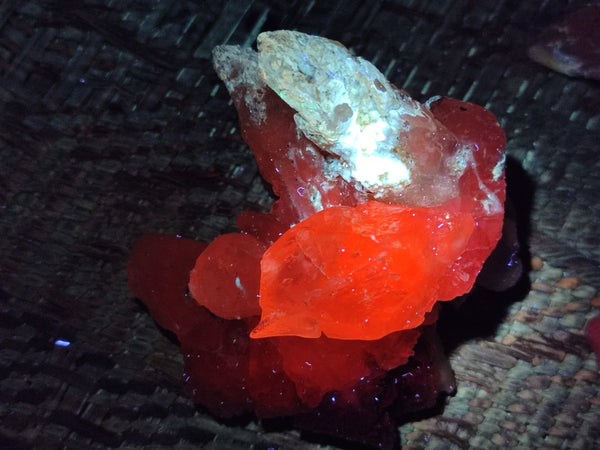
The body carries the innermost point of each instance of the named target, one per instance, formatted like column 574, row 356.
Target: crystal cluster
column 324, row 309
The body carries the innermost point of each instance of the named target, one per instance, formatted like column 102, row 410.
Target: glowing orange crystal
column 359, row 272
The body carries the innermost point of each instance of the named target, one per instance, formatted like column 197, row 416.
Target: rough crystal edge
column 238, row 68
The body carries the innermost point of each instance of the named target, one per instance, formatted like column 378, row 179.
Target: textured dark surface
column 113, row 124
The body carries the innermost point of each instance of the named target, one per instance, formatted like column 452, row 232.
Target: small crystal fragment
column 233, row 259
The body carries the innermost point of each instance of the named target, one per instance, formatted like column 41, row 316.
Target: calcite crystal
column 324, row 309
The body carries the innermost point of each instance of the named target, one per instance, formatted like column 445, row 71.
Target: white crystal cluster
column 343, row 103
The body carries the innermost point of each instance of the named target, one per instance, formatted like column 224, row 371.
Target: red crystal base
column 344, row 388
column 323, row 310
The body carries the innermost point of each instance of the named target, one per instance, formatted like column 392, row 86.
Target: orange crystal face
column 359, row 272
column 221, row 284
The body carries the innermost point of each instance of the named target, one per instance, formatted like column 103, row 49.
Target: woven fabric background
column 113, row 124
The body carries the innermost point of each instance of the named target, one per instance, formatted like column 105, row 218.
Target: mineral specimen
column 572, row 44
column 324, row 309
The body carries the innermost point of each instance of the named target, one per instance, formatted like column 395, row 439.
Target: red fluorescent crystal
column 347, row 274
column 169, row 260
column 289, row 162
column 361, row 272
column 481, row 197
